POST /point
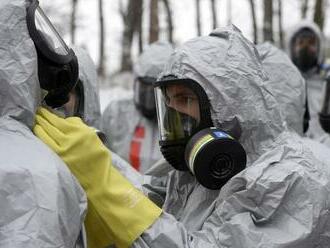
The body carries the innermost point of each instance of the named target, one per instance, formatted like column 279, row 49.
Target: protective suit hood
column 286, row 83
column 20, row 93
column 312, row 26
column 151, row 61
column 88, row 77
column 228, row 68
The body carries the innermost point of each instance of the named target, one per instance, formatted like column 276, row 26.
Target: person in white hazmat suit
column 306, row 48
column 257, row 186
column 130, row 125
column 41, row 203
column 289, row 88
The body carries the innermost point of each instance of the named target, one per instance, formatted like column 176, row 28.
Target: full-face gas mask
column 305, row 49
column 144, row 97
column 188, row 140
column 57, row 64
column 324, row 115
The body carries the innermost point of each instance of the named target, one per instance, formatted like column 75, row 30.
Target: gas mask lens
column 178, row 111
column 49, row 33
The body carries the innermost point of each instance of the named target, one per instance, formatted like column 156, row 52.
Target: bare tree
column 198, row 17
column 169, row 20
column 138, row 26
column 280, row 25
column 229, row 12
column 268, row 20
column 101, row 66
column 254, row 22
column 304, row 8
column 154, row 21
column 214, row 14
column 319, row 14
column 73, row 21
column 131, row 17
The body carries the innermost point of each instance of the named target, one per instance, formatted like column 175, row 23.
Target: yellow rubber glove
column 117, row 211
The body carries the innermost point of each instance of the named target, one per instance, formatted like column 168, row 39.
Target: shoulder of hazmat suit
column 130, row 134
column 42, row 205
column 88, row 78
column 288, row 86
column 315, row 82
column 282, row 197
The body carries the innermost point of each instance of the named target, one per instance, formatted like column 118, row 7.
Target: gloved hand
column 116, row 210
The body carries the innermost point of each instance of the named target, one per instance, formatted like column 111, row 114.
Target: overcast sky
column 184, row 21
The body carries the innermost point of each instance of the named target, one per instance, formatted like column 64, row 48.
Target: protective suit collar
column 312, row 26
column 228, row 68
column 20, row 93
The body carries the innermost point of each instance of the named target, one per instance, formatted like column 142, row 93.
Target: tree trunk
column 280, row 25
column 169, row 20
column 154, row 22
column 214, row 14
column 140, row 34
column 138, row 28
column 304, row 8
column 254, row 22
column 229, row 12
column 73, row 21
column 198, row 17
column 319, row 14
column 101, row 67
column 131, row 18
column 268, row 20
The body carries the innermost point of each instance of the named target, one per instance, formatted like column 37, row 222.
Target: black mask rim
column 41, row 46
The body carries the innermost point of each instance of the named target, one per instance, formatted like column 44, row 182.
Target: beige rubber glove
column 117, row 211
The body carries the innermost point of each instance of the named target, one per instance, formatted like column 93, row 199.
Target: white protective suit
column 315, row 83
column 280, row 200
column 41, row 203
column 131, row 135
column 289, row 88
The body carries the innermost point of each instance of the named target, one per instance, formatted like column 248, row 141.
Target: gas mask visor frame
column 47, row 40
column 57, row 64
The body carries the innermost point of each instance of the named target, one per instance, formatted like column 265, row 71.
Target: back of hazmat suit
column 282, row 197
column 288, row 87
column 130, row 124
column 42, row 204
column 314, row 76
